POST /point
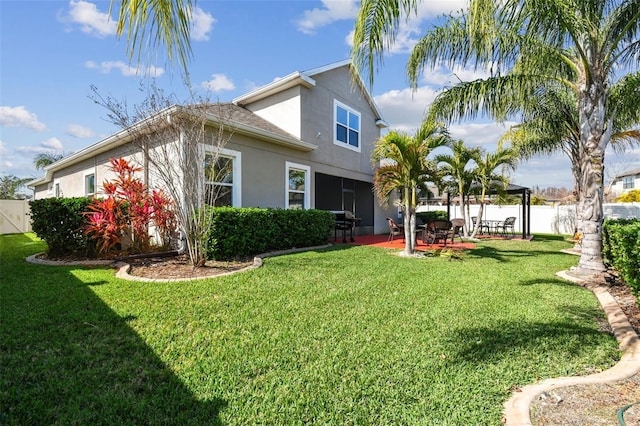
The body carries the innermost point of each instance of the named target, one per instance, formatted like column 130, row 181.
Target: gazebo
column 526, row 205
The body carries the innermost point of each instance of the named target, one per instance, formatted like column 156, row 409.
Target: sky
column 52, row 52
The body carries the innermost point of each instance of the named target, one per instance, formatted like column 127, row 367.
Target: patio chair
column 437, row 230
column 457, row 228
column 505, row 225
column 482, row 226
column 394, row 229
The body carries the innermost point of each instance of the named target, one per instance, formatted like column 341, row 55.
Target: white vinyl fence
column 543, row 219
column 14, row 216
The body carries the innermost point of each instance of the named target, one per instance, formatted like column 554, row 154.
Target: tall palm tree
column 526, row 45
column 43, row 159
column 550, row 123
column 490, row 174
column 459, row 166
column 156, row 24
column 405, row 167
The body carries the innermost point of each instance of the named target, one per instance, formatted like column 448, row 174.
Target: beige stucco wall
column 71, row 179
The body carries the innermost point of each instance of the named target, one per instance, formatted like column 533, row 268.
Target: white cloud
column 201, row 23
column 91, row 20
column 474, row 134
column 48, row 146
column 52, row 143
column 218, row 83
column 332, row 11
column 126, row 70
column 79, row 131
column 404, row 109
column 3, row 150
column 20, row 117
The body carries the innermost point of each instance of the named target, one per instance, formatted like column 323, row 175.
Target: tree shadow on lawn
column 502, row 255
column 67, row 358
column 505, row 339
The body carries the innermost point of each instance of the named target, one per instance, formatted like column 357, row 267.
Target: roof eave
column 295, row 79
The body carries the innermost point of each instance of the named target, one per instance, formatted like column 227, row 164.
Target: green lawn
column 346, row 335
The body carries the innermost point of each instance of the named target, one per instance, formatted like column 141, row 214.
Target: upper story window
column 347, row 126
column 89, row 184
column 222, row 178
column 627, row 182
column 297, row 191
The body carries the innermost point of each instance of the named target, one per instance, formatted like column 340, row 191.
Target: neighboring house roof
column 238, row 119
column 634, row 172
column 305, row 78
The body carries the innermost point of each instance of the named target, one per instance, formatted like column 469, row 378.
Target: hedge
column 621, row 248
column 240, row 232
column 60, row 223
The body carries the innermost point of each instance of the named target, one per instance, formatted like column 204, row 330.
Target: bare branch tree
column 181, row 149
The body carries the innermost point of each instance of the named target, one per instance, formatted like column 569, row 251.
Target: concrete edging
column 123, row 268
column 517, row 408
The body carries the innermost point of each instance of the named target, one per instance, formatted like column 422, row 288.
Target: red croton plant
column 129, row 206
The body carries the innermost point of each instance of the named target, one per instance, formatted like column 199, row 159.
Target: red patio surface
column 397, row 243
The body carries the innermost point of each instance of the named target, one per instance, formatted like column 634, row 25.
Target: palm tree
column 10, row 187
column 488, row 178
column 156, row 23
column 527, row 45
column 405, row 167
column 44, row 159
column 550, row 123
column 458, row 166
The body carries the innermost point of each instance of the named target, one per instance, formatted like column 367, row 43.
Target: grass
column 346, row 335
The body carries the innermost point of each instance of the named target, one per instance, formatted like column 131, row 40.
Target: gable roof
column 634, row 172
column 305, row 79
column 238, row 119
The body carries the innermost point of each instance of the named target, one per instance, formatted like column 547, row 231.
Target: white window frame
column 307, row 184
column 57, row 188
column 628, row 182
column 236, row 157
column 85, row 175
column 336, row 104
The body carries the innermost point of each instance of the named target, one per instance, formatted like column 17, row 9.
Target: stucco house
column 625, row 182
column 318, row 125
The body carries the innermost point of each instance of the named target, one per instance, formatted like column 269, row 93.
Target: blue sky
column 53, row 51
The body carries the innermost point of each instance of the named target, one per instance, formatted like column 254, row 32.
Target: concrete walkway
column 517, row 409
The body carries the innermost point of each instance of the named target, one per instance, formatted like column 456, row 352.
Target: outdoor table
column 492, row 225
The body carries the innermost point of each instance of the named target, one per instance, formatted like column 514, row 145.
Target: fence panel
column 14, row 216
column 557, row 219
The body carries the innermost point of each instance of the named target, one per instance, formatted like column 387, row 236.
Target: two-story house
column 318, row 126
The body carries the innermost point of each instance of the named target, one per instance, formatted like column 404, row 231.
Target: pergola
column 526, row 205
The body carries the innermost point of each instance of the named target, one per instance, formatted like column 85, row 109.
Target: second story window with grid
column 627, row 182
column 347, row 126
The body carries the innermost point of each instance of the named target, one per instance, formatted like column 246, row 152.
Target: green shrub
column 239, row 232
column 621, row 248
column 434, row 215
column 60, row 223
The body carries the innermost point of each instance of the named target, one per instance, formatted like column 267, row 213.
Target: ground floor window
column 89, row 184
column 297, row 186
column 222, row 178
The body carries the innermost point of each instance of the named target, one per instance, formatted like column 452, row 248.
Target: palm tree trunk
column 408, row 249
column 593, row 139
